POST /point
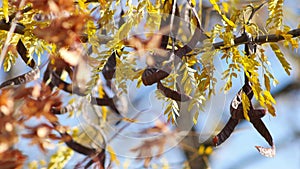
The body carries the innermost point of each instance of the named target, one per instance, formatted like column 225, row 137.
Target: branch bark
column 259, row 39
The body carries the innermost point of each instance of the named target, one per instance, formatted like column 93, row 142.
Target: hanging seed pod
column 175, row 95
column 109, row 68
column 153, row 75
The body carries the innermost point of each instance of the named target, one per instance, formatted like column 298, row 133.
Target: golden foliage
column 287, row 67
column 275, row 14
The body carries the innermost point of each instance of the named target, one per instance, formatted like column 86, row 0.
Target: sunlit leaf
column 246, row 105
column 287, row 67
column 275, row 13
column 267, row 82
column 60, row 158
column 195, row 118
column 217, row 8
column 113, row 156
column 5, row 10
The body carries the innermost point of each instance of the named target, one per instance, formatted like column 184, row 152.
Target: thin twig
column 125, row 126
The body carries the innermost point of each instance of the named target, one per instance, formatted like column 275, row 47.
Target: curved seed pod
column 95, row 154
column 237, row 113
column 198, row 35
column 175, row 95
column 253, row 113
column 110, row 67
column 23, row 52
column 225, row 132
column 77, row 147
column 58, row 111
column 257, row 114
column 48, row 76
column 248, row 90
column 236, row 106
column 268, row 152
column 100, row 159
column 64, row 110
column 263, row 131
column 105, row 102
column 153, row 75
column 22, row 79
column 58, row 82
column 102, row 101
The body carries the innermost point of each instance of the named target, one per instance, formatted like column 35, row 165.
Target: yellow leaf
column 267, row 82
column 246, row 105
column 124, row 30
column 287, row 67
column 195, row 118
column 138, row 74
column 271, row 109
column 103, row 3
column 112, row 155
column 193, row 2
column 129, row 120
column 126, row 164
column 217, row 8
column 5, row 10
column 201, row 149
column 208, row 150
column 43, row 162
column 269, row 97
column 225, row 7
column 101, row 91
column 71, row 101
column 275, row 8
column 104, row 113
column 33, row 165
column 165, row 163
column 82, row 4
column 60, row 158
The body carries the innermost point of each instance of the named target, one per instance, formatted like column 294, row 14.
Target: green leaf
column 287, row 67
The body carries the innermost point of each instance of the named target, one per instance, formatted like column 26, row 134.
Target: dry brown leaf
column 52, row 5
column 63, row 31
column 12, row 159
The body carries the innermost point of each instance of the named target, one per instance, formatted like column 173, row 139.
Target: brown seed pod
column 23, row 52
column 225, row 132
column 153, row 75
column 110, row 67
column 175, row 95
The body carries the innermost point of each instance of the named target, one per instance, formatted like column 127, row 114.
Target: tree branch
column 259, row 39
